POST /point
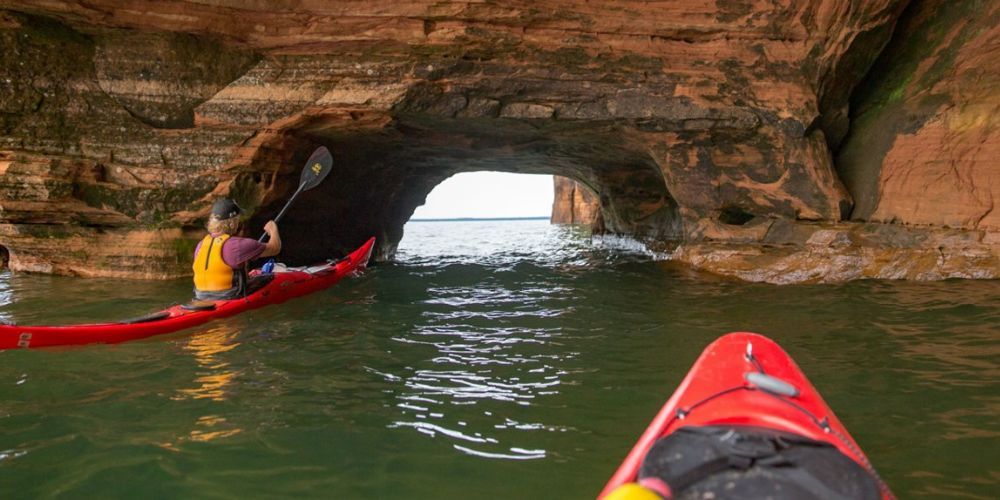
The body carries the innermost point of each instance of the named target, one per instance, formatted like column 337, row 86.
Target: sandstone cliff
column 745, row 136
column 924, row 145
column 574, row 203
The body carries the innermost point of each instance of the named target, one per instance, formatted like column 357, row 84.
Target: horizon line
column 453, row 219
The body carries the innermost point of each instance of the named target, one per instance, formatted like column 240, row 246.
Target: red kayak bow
column 285, row 285
column 746, row 381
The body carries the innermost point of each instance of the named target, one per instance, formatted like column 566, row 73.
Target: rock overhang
column 687, row 122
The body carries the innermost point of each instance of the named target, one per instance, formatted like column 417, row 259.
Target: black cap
column 224, row 208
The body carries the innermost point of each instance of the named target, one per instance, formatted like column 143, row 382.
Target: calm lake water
column 499, row 359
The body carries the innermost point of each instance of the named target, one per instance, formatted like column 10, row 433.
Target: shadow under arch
column 382, row 174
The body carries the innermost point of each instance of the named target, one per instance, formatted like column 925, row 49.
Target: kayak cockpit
column 146, row 318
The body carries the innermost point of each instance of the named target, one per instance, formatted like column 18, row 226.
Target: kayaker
column 221, row 258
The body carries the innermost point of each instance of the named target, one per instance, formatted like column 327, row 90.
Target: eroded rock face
column 698, row 124
column 784, row 253
column 925, row 144
column 159, row 78
column 575, row 203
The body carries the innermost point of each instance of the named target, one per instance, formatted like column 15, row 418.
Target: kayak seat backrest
column 732, row 462
column 147, row 318
column 257, row 282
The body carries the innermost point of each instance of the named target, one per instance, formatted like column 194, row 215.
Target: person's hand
column 270, row 228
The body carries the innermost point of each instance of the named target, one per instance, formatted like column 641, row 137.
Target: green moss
column 633, row 62
column 959, row 12
column 41, row 95
column 48, row 231
column 895, row 99
column 574, row 56
column 921, row 35
column 92, row 194
column 184, row 249
column 152, row 207
column 898, row 92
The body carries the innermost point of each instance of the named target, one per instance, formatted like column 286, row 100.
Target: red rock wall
column 925, row 144
column 709, row 125
column 574, row 203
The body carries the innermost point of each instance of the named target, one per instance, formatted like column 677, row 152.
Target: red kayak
column 284, row 285
column 746, row 423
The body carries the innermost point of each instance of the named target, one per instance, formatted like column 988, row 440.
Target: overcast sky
column 489, row 194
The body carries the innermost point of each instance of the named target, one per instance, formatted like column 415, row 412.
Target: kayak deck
column 284, row 286
column 745, row 380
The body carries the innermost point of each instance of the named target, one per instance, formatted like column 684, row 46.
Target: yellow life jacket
column 211, row 273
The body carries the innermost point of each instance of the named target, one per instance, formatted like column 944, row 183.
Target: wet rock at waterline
column 700, row 128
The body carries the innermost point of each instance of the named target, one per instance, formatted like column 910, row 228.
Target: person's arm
column 273, row 246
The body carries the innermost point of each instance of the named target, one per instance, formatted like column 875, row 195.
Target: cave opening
column 384, row 170
column 481, row 215
column 4, row 257
column 489, row 195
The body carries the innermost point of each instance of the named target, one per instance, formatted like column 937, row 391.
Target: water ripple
column 491, row 325
column 487, row 352
column 516, row 453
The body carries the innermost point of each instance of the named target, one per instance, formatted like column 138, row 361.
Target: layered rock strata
column 921, row 161
column 575, row 203
column 924, row 147
column 699, row 126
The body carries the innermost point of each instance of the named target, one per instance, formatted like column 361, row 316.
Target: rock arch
column 714, row 128
column 381, row 175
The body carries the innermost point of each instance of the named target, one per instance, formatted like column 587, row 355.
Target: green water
column 507, row 359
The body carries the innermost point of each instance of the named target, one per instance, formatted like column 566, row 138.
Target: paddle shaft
column 316, row 169
column 283, row 209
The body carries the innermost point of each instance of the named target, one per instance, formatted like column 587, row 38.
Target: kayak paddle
column 317, row 168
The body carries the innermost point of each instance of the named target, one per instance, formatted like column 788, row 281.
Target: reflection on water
column 489, row 351
column 214, row 377
column 212, row 422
